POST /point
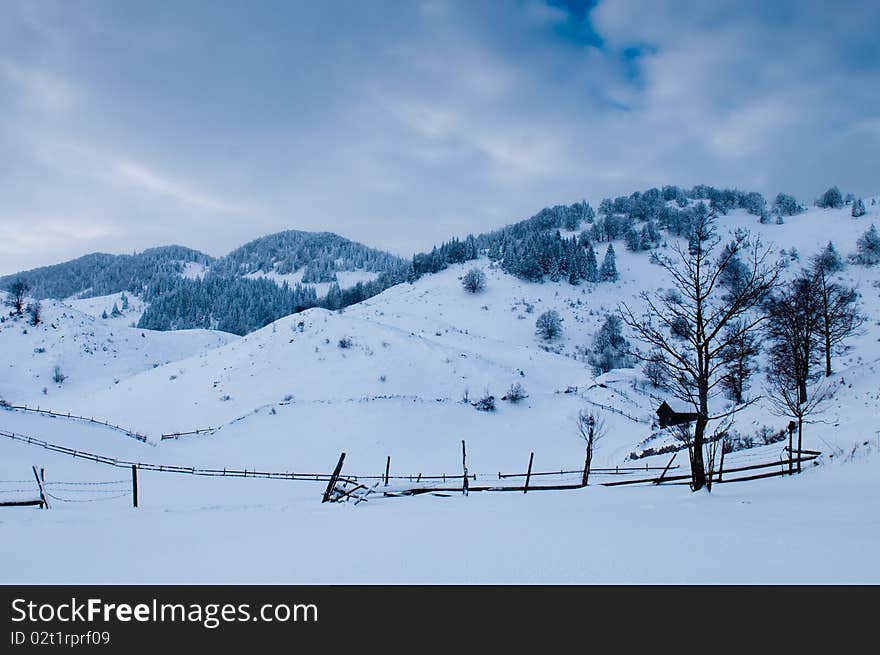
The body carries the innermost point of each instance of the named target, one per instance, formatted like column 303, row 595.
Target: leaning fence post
column 529, row 474
column 464, row 484
column 134, row 485
column 662, row 475
column 721, row 464
column 333, row 478
column 40, row 487
column 387, row 468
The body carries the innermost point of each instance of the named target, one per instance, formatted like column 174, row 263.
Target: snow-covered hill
column 90, row 353
column 387, row 377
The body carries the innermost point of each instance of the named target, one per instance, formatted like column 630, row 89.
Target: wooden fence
column 47, row 412
column 134, row 434
column 355, row 487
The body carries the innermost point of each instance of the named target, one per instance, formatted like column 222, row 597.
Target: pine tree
column 858, row 208
column 589, row 214
column 632, row 240
column 591, row 266
column 831, row 199
column 608, row 272
column 868, row 247
column 828, row 260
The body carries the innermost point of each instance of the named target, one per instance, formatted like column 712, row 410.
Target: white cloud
column 406, row 126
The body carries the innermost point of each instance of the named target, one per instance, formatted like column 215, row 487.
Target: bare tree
column 784, row 392
column 549, row 325
column 739, row 356
column 18, row 291
column 474, row 280
column 793, row 322
column 839, row 316
column 591, row 428
column 695, row 322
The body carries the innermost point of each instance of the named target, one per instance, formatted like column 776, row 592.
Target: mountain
column 388, row 377
column 397, row 375
column 100, row 274
column 252, row 286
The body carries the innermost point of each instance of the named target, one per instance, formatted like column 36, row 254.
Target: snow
column 97, row 306
column 93, row 353
column 345, row 279
column 289, row 398
column 193, row 270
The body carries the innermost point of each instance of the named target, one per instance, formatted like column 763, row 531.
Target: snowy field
column 290, row 397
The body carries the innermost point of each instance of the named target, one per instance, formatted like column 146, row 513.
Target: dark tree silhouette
column 693, row 358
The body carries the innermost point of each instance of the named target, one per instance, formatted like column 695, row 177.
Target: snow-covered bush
column 344, row 343
column 57, row 375
column 610, row 347
column 831, row 199
column 868, row 248
column 486, row 403
column 35, row 313
column 786, row 205
column 515, row 393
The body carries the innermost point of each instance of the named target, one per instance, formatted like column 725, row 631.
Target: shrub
column 515, row 393
column 344, row 342
column 35, row 312
column 486, row 403
column 57, row 376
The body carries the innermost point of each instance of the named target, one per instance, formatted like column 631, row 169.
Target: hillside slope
column 385, row 378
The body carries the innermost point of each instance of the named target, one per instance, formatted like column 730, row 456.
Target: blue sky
column 127, row 125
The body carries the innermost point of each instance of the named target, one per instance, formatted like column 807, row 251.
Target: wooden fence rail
column 349, row 479
column 48, row 412
column 127, row 431
column 168, row 468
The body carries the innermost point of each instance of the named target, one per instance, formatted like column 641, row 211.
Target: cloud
column 402, row 124
column 142, row 177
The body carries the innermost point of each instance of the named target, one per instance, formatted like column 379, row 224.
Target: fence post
column 529, row 474
column 134, row 485
column 721, row 464
column 464, row 484
column 662, row 475
column 387, row 468
column 40, row 487
column 333, row 478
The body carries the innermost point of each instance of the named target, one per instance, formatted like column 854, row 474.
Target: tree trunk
column 587, row 461
column 802, row 391
column 800, row 439
column 827, row 353
column 698, row 468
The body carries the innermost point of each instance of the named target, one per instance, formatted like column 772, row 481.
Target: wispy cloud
column 400, row 124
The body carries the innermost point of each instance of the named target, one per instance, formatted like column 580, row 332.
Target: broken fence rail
column 175, row 435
